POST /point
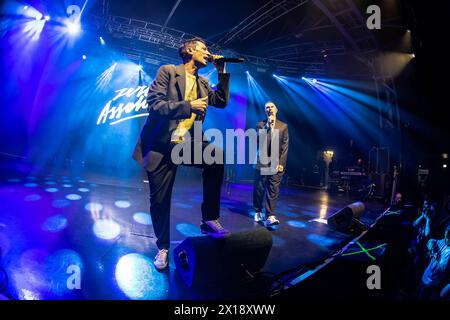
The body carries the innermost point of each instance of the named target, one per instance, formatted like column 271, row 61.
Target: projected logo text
column 132, row 104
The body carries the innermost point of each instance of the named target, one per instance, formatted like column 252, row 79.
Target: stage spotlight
column 102, row 41
column 47, row 18
column 303, row 78
column 274, row 75
column 29, row 12
column 37, row 15
column 33, row 28
column 139, row 67
column 73, row 28
column 314, row 81
column 247, row 72
column 408, row 31
column 84, row 57
column 444, row 165
column 413, row 55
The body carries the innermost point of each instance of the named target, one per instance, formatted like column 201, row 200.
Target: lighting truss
column 133, row 29
column 265, row 15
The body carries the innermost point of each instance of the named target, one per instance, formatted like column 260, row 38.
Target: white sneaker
column 272, row 221
column 258, row 217
column 214, row 229
column 161, row 260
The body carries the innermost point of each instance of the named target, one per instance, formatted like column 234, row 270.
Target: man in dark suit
column 177, row 97
column 268, row 174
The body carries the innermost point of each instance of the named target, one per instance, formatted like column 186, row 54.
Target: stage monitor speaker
column 344, row 219
column 204, row 261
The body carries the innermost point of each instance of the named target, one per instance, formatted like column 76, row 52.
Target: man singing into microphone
column 177, row 97
column 264, row 178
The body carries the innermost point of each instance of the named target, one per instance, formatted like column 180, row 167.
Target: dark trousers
column 161, row 182
column 269, row 183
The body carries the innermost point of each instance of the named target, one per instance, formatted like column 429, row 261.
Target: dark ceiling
column 212, row 20
column 293, row 31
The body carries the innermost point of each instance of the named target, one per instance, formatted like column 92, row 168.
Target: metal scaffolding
column 302, row 57
column 124, row 27
column 262, row 17
column 148, row 32
column 306, row 50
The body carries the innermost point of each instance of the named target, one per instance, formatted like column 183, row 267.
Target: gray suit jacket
column 166, row 106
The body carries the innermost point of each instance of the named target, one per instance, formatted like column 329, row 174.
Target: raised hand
column 220, row 67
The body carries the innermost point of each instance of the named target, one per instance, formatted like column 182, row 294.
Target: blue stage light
column 29, row 12
column 296, row 224
column 188, row 229
column 106, row 229
column 122, row 204
column 30, row 185
column 93, row 207
column 55, row 223
column 33, row 28
column 102, row 41
column 73, row 197
column 73, row 28
column 84, row 57
column 314, row 81
column 59, row 267
column 138, row 279
column 47, row 18
column 60, row 203
column 142, row 218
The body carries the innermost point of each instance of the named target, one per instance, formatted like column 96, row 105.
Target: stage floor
column 49, row 223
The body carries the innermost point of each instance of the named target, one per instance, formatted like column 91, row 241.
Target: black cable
column 282, row 282
column 290, row 274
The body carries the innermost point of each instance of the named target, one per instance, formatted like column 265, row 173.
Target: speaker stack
column 207, row 262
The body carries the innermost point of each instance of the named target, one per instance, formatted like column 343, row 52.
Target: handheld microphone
column 226, row 59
